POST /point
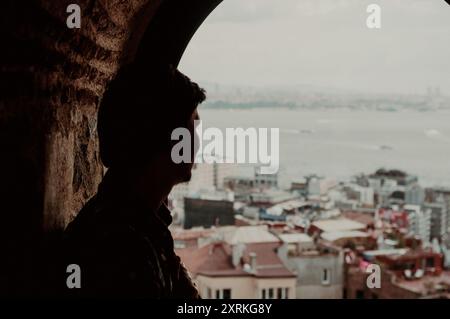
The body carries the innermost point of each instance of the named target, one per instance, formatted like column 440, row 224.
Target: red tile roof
column 191, row 234
column 362, row 218
column 212, row 257
column 215, row 260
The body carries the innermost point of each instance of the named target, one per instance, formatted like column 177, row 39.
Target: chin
column 187, row 177
column 183, row 173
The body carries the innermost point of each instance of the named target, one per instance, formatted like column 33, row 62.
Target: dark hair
column 139, row 110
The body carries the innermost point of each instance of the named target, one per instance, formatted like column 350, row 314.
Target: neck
column 143, row 188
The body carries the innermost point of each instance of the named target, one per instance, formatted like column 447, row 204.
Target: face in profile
column 184, row 170
column 172, row 173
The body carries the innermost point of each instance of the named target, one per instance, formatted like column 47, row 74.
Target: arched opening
column 52, row 79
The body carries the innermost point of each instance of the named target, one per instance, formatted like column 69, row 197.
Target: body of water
column 342, row 143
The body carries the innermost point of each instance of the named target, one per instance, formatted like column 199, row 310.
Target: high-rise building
column 419, row 220
column 202, row 179
column 363, row 195
column 438, row 221
column 414, row 195
column 205, row 177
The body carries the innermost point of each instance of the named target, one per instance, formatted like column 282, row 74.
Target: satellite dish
column 419, row 273
column 408, row 273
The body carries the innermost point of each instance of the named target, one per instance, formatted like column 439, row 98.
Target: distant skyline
column 324, row 43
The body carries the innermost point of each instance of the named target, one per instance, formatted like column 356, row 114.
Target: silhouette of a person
column 120, row 239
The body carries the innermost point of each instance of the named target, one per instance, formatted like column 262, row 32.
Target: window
column 223, row 294
column 272, row 293
column 226, row 294
column 209, row 293
column 326, row 277
column 282, row 293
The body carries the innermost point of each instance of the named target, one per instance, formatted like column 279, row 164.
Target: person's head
column 138, row 112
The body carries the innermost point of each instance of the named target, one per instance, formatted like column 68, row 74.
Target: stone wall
column 52, row 79
column 51, row 82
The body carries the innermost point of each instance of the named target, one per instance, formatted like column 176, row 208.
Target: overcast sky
column 324, row 43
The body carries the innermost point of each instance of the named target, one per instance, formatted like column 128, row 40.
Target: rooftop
column 212, row 195
column 409, row 254
column 295, row 238
column 215, row 260
column 248, row 235
column 190, row 234
column 427, row 285
column 363, row 218
column 336, row 235
column 385, row 252
column 342, row 224
column 286, row 206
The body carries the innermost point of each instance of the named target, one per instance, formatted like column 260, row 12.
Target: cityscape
column 360, row 208
column 309, row 97
column 247, row 237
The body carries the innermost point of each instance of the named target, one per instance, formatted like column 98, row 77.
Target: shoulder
column 114, row 257
column 100, row 231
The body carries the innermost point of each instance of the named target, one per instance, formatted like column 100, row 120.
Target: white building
column 205, row 177
column 419, row 220
column 414, row 195
column 319, row 270
column 202, row 179
column 318, row 186
column 265, row 180
column 365, row 195
column 439, row 219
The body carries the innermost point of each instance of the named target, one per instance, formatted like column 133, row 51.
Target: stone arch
column 51, row 81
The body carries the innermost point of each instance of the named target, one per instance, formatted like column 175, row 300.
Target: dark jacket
column 124, row 251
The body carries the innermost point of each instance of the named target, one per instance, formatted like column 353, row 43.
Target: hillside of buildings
column 246, row 237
